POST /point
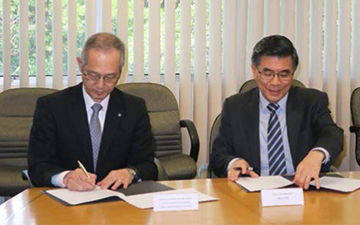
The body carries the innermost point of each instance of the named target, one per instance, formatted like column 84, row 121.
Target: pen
column 247, row 170
column 83, row 169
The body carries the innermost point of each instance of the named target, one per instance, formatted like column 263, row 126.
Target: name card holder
column 176, row 202
column 284, row 196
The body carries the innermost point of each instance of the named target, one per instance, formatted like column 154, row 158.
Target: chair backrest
column 355, row 106
column 250, row 84
column 214, row 132
column 164, row 115
column 355, row 115
column 16, row 113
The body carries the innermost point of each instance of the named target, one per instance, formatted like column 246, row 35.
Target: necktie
column 276, row 154
column 95, row 132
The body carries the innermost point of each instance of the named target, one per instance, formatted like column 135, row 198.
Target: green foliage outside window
column 80, row 14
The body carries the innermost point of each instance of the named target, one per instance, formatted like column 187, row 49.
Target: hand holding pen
column 80, row 179
column 240, row 167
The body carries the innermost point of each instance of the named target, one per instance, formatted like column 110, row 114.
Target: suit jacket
column 60, row 136
column 309, row 124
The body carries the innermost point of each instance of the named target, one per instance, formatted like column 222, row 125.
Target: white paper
column 142, row 201
column 80, row 197
column 338, row 183
column 146, row 201
column 285, row 196
column 263, row 182
column 176, row 202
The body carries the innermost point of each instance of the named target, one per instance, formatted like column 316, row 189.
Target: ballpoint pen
column 247, row 170
column 83, row 169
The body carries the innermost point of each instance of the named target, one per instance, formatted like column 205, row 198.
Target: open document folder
column 139, row 194
column 272, row 182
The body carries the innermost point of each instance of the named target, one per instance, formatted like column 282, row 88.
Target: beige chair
column 355, row 115
column 16, row 113
column 250, row 84
column 166, row 128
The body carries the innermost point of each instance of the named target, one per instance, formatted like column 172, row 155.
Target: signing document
column 139, row 194
column 272, row 182
column 262, row 183
column 338, row 183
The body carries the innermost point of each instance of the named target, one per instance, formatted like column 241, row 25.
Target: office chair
column 16, row 113
column 355, row 115
column 166, row 128
column 250, row 84
column 213, row 134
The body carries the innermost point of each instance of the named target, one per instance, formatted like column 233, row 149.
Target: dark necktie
column 277, row 165
column 95, row 132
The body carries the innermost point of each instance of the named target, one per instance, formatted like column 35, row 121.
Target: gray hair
column 103, row 42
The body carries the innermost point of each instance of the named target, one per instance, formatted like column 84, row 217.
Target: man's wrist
column 326, row 154
column 231, row 163
column 133, row 173
column 319, row 155
column 58, row 179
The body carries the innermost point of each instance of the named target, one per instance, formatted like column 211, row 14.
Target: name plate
column 176, row 202
column 284, row 196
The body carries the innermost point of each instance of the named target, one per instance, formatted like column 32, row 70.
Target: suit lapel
column 114, row 117
column 78, row 118
column 252, row 123
column 294, row 110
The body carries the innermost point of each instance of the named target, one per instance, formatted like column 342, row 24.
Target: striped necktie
column 276, row 154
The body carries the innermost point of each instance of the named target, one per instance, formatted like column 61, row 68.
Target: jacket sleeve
column 330, row 136
column 223, row 148
column 42, row 160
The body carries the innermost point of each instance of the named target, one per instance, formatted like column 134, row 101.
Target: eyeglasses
column 110, row 78
column 267, row 75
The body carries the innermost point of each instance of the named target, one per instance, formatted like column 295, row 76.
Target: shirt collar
column 90, row 102
column 264, row 103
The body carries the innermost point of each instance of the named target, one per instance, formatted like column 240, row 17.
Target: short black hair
column 275, row 45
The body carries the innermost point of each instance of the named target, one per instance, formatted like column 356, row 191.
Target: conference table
column 235, row 206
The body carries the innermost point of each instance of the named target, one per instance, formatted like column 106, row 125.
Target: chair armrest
column 194, row 138
column 161, row 171
column 204, row 171
column 333, row 169
column 25, row 176
column 354, row 128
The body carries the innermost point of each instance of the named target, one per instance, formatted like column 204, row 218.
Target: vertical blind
column 208, row 57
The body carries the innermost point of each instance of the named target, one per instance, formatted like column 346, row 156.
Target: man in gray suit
column 276, row 129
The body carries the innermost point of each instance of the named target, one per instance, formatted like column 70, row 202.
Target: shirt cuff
column 58, row 179
column 326, row 153
column 232, row 162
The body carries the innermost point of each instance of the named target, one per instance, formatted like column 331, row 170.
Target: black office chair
column 355, row 115
column 166, row 128
column 16, row 113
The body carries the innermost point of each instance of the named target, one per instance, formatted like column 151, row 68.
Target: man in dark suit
column 107, row 130
column 276, row 129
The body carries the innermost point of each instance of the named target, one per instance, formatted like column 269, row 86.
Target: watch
column 133, row 174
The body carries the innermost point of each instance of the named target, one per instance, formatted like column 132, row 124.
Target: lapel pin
column 119, row 114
